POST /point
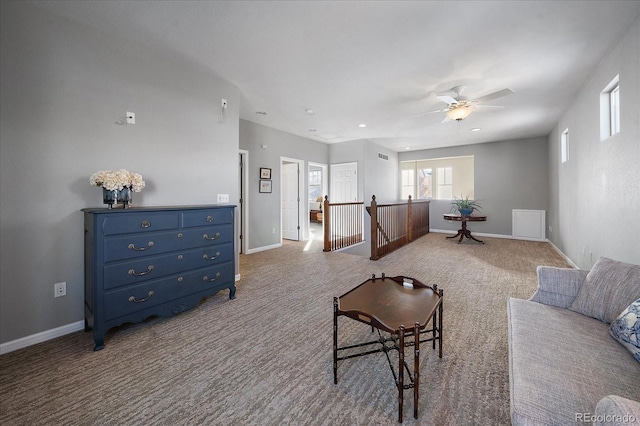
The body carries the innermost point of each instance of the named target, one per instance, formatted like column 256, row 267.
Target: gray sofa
column 564, row 365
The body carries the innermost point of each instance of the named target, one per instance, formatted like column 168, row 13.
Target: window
column 610, row 109
column 564, row 146
column 425, row 184
column 445, row 183
column 614, row 107
column 438, row 178
column 315, row 185
column 408, row 183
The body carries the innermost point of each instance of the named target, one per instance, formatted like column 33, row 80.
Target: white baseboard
column 259, row 249
column 23, row 342
column 479, row 234
column 569, row 261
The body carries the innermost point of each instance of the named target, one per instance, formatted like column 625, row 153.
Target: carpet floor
column 265, row 358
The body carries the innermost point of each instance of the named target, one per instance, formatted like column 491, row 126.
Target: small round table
column 464, row 232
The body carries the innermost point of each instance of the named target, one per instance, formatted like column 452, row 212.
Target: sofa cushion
column 562, row 363
column 626, row 329
column 609, row 287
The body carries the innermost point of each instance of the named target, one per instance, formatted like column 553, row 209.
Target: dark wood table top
column 471, row 218
column 386, row 303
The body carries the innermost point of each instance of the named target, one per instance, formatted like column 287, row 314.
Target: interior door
column 344, row 183
column 290, row 201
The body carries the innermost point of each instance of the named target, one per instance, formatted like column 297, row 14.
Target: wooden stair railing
column 395, row 225
column 343, row 224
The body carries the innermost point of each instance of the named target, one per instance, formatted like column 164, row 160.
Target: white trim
column 259, row 249
column 245, row 201
column 569, row 261
column 479, row 234
column 43, row 336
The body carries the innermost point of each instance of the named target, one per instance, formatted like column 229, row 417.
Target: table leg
column 400, row 372
column 459, row 233
column 335, row 340
column 416, row 368
column 440, row 324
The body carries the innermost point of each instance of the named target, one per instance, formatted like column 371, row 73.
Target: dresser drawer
column 135, row 246
column 118, row 274
column 125, row 223
column 206, row 217
column 133, row 298
column 206, row 236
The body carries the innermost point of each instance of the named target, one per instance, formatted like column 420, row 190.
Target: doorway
column 317, row 184
column 291, row 184
column 242, row 233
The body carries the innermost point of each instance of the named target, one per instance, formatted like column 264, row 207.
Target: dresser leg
column 232, row 292
column 99, row 341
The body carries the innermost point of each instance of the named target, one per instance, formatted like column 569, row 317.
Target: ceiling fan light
column 459, row 113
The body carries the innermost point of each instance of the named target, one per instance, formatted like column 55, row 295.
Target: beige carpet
column 265, row 358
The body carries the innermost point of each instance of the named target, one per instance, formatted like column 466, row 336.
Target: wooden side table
column 464, row 232
column 387, row 304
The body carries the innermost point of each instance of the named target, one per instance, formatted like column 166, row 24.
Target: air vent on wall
column 383, row 156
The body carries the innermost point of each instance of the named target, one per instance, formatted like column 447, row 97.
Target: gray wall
column 264, row 209
column 508, row 175
column 63, row 87
column 595, row 196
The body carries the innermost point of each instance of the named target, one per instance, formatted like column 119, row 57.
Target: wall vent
column 383, row 156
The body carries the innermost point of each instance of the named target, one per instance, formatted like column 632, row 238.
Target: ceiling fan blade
column 445, row 119
column 495, row 95
column 447, row 99
column 425, row 113
column 487, row 107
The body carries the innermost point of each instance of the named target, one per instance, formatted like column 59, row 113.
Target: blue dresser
column 141, row 262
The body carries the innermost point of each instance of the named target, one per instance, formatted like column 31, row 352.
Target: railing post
column 327, row 224
column 409, row 221
column 374, row 228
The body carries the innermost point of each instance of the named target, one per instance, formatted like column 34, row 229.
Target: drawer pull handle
column 133, row 247
column 215, row 237
column 206, row 257
column 209, row 219
column 139, row 274
column 206, row 278
column 146, row 224
column 134, row 300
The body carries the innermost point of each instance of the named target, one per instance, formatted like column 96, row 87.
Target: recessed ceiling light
column 309, row 111
column 475, row 129
column 407, row 148
column 312, row 130
column 362, row 125
column 261, row 113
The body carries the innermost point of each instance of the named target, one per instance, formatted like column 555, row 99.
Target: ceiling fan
column 460, row 107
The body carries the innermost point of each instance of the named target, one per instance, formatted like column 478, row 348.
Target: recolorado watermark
column 606, row 418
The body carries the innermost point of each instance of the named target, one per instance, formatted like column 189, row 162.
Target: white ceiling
column 380, row 62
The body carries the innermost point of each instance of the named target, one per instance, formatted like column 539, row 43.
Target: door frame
column 243, row 203
column 303, row 232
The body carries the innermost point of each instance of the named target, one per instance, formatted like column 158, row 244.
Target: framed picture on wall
column 265, row 186
column 265, row 173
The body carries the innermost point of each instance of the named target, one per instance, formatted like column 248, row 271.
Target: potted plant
column 464, row 205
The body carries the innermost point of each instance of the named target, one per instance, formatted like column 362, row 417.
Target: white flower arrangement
column 113, row 180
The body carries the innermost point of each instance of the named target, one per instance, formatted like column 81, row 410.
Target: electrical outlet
column 60, row 289
column 224, row 103
column 223, row 198
column 131, row 117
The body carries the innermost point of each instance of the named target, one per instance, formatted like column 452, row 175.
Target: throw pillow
column 626, row 329
column 608, row 288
